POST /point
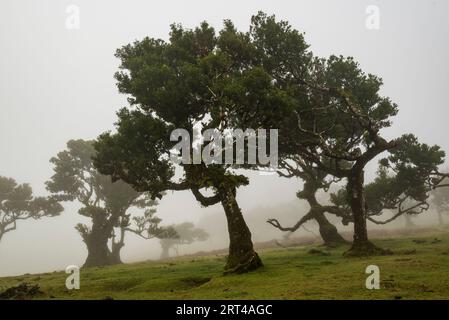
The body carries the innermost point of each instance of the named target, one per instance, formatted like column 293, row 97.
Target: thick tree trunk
column 242, row 257
column 328, row 231
column 361, row 246
column 97, row 248
column 97, row 239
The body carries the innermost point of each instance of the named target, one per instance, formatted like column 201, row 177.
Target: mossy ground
column 414, row 271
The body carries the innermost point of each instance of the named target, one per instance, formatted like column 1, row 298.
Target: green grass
column 291, row 273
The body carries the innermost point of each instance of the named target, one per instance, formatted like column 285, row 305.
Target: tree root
column 252, row 262
column 336, row 244
column 365, row 249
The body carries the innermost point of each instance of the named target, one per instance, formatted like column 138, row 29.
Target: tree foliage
column 18, row 203
column 181, row 83
column 331, row 114
column 186, row 233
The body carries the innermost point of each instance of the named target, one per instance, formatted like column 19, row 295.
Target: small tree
column 147, row 227
column 104, row 202
column 18, row 203
column 186, row 233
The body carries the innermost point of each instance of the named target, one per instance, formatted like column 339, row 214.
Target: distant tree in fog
column 440, row 200
column 147, row 227
column 107, row 204
column 18, row 203
column 186, row 233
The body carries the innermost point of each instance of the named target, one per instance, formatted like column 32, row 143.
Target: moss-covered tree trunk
column 242, row 257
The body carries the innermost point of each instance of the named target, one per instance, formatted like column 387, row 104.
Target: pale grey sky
column 57, row 84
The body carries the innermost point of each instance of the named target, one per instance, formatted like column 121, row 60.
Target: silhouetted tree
column 18, row 203
column 409, row 221
column 147, row 227
column 186, row 233
column 104, row 202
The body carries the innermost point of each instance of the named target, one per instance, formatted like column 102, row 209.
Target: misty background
column 57, row 84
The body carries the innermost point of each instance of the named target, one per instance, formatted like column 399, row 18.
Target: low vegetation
column 418, row 269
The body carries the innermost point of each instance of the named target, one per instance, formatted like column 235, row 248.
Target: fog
column 57, row 84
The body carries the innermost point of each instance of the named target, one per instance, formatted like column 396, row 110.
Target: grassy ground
column 415, row 271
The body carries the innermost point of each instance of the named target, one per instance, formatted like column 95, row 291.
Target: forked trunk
column 116, row 247
column 242, row 257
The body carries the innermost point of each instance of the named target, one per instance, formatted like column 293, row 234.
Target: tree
column 186, row 234
column 177, row 85
column 147, row 227
column 18, row 203
column 409, row 221
column 344, row 148
column 405, row 181
column 314, row 180
column 332, row 115
column 105, row 203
